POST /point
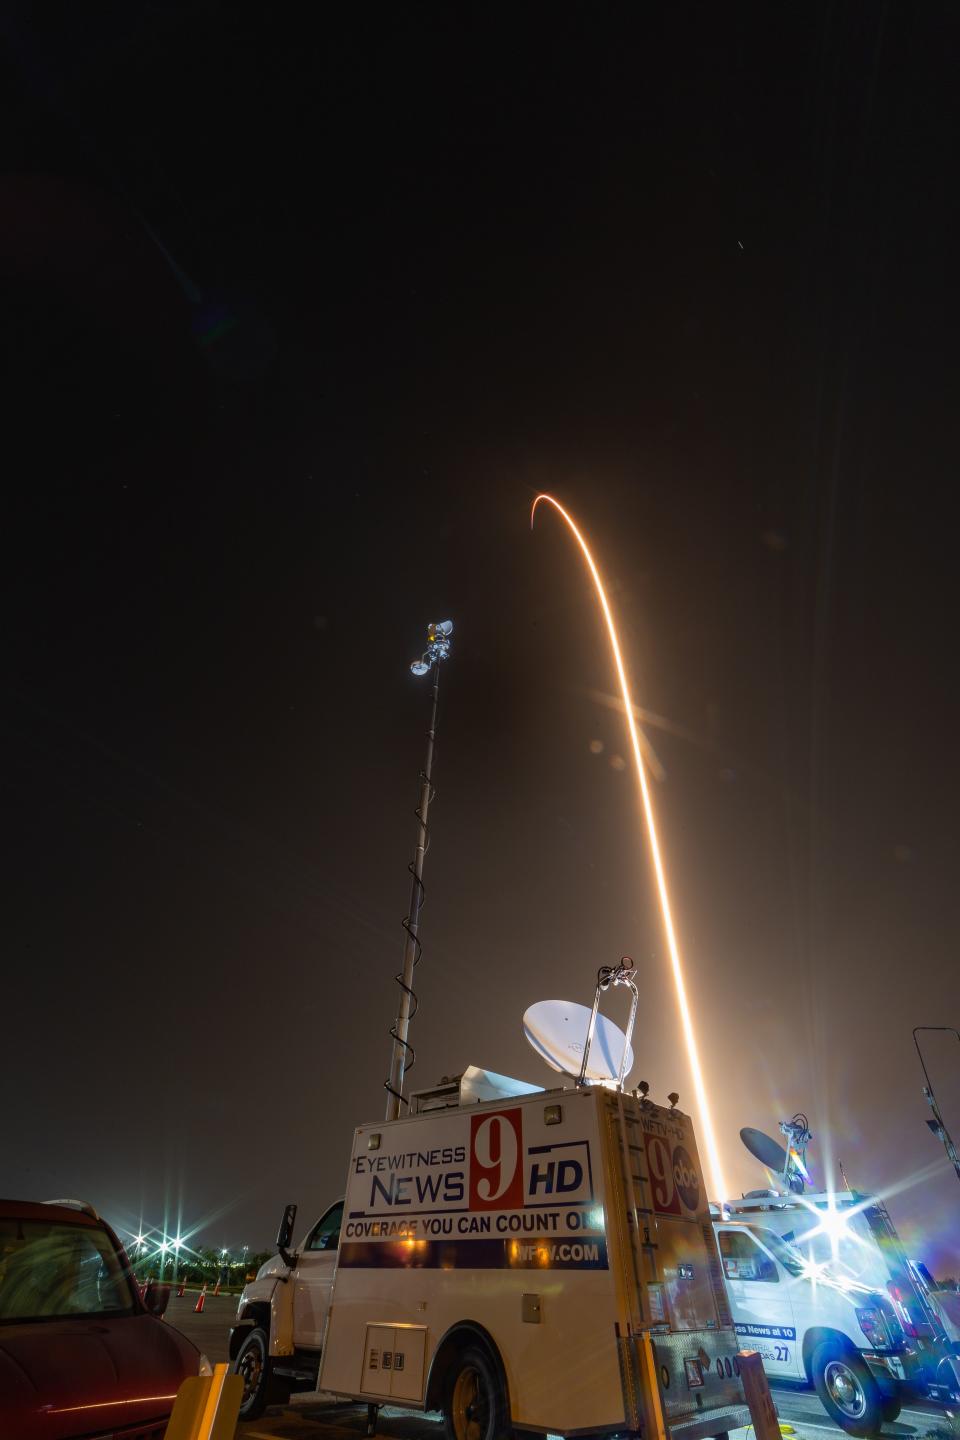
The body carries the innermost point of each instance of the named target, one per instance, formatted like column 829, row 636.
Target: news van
column 822, row 1287
column 519, row 1259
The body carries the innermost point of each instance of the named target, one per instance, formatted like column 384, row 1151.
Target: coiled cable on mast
column 420, row 891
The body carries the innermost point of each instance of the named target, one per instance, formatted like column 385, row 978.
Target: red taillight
column 874, row 1326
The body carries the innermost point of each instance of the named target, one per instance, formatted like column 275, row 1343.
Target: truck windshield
column 51, row 1271
column 791, row 1259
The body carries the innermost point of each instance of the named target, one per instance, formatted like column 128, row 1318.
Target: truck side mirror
column 156, row 1297
column 285, row 1235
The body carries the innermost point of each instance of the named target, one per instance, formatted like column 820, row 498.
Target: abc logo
column 685, row 1178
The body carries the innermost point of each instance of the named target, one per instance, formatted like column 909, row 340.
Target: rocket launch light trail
column 686, row 1018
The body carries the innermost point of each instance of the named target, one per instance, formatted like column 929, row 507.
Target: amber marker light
column 713, row 1154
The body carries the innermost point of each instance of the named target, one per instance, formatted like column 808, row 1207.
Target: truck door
column 313, row 1279
column 759, row 1290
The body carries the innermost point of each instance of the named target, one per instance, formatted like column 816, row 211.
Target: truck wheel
column 474, row 1401
column 255, row 1368
column 847, row 1389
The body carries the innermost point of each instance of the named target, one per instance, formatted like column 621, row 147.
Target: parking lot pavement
column 306, row 1419
column 802, row 1409
column 324, row 1419
column 209, row 1331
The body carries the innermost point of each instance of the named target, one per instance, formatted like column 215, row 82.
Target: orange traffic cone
column 182, row 1286
column 216, row 1288
column 197, row 1309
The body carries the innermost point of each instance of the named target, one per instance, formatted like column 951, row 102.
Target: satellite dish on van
column 790, row 1165
column 764, row 1149
column 557, row 1030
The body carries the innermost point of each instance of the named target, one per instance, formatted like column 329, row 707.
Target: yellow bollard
column 654, row 1420
column 756, row 1387
column 207, row 1407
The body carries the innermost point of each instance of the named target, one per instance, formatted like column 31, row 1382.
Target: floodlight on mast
column 438, row 646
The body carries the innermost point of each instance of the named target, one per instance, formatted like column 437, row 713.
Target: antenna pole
column 936, row 1124
column 402, row 1052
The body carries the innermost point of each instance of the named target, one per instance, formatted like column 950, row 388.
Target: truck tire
column 848, row 1391
column 255, row 1368
column 891, row 1406
column 474, row 1398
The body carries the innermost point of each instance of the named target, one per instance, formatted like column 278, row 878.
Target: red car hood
column 89, row 1377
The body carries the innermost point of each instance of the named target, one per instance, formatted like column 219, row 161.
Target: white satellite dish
column 557, row 1030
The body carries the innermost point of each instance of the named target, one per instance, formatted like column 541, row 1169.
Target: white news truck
column 539, row 1261
column 822, row 1287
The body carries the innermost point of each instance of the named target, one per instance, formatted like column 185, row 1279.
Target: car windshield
column 54, row 1270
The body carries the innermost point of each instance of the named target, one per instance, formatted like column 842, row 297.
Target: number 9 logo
column 496, row 1177
column 663, row 1192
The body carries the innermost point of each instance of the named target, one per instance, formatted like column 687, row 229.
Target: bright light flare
column 713, row 1154
column 796, row 1162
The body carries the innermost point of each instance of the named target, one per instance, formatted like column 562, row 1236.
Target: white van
column 821, row 1286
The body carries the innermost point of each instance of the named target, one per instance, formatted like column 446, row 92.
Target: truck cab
column 277, row 1339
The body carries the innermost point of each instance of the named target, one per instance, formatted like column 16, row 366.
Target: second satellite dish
column 557, row 1030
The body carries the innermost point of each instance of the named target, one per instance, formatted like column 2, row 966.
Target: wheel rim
column 845, row 1390
column 250, row 1369
column 470, row 1408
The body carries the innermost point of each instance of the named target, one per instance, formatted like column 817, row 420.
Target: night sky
column 301, row 308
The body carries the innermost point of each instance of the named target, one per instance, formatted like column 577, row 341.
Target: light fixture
column 438, row 646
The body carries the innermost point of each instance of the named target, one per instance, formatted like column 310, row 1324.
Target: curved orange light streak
column 713, row 1154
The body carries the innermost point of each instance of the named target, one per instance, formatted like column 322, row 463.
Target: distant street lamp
column 936, row 1124
column 139, row 1244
